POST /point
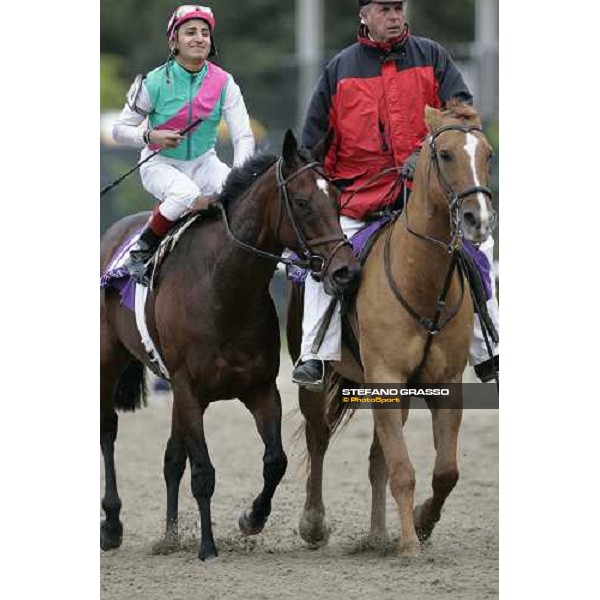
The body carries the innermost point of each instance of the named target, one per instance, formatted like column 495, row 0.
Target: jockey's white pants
column 316, row 302
column 176, row 184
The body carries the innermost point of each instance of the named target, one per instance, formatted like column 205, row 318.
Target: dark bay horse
column 214, row 322
column 409, row 265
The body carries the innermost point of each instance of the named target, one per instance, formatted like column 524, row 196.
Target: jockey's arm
column 130, row 126
column 238, row 124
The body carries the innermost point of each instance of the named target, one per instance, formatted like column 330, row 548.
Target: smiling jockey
column 166, row 101
column 372, row 96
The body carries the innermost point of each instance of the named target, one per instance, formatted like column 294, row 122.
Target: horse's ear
column 290, row 149
column 432, row 117
column 319, row 152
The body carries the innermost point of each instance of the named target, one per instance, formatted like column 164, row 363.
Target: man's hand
column 164, row 138
column 203, row 202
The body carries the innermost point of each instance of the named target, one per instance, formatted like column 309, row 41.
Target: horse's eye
column 445, row 155
column 303, row 204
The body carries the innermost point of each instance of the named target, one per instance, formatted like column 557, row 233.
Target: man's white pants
column 316, row 302
column 178, row 183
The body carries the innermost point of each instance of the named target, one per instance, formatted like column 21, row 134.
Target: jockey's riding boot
column 489, row 369
column 141, row 252
column 310, row 374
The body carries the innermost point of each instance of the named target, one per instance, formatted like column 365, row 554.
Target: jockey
column 166, row 101
column 372, row 95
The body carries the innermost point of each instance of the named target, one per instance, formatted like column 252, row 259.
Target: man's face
column 193, row 40
column 385, row 21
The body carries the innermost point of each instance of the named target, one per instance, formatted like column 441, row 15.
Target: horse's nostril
column 470, row 219
column 346, row 275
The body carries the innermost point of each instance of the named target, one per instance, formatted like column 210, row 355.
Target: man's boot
column 139, row 255
column 310, row 374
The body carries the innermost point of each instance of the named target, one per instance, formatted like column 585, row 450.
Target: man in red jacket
column 372, row 95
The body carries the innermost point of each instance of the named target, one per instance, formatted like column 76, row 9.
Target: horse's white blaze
column 322, row 184
column 471, row 150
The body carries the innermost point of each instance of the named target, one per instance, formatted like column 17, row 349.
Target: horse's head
column 461, row 157
column 308, row 220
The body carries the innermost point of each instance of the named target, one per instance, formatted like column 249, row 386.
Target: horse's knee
column 203, row 480
column 444, row 481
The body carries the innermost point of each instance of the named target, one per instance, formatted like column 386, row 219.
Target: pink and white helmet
column 185, row 13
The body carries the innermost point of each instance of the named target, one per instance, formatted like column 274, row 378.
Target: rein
column 312, row 261
column 436, row 324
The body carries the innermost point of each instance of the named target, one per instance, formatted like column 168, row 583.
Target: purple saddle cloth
column 116, row 276
column 362, row 236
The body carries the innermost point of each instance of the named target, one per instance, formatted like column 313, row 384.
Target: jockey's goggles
column 187, row 12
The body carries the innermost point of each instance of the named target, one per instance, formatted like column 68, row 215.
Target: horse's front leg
column 446, row 424
column 265, row 405
column 378, row 476
column 313, row 526
column 388, row 425
column 190, row 421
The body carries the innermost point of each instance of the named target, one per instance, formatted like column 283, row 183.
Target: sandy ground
column 459, row 562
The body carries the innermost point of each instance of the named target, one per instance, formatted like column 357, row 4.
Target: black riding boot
column 310, row 374
column 140, row 253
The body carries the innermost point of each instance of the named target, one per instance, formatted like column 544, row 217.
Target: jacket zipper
column 189, row 122
column 384, row 144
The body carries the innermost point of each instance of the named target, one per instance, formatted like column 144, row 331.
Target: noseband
column 313, row 261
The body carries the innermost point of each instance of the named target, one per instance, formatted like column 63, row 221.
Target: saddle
column 170, row 241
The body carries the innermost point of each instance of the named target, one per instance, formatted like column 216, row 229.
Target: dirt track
column 460, row 561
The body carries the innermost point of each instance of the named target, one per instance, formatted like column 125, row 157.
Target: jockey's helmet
column 187, row 12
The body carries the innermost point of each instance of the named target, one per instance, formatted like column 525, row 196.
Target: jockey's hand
column 164, row 138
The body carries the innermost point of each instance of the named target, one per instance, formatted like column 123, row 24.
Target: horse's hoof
column 168, row 545
column 247, row 526
column 111, row 535
column 423, row 528
column 313, row 529
column 410, row 549
column 375, row 539
column 208, row 555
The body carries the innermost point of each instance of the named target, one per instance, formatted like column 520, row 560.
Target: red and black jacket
column 374, row 98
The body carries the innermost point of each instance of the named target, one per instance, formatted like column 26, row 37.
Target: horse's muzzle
column 478, row 228
column 344, row 279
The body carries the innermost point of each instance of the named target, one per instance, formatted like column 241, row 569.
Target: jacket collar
column 365, row 39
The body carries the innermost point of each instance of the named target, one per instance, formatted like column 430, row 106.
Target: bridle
column 311, row 260
column 455, row 198
column 436, row 324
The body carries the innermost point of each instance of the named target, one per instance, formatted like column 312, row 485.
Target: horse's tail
column 338, row 413
column 131, row 391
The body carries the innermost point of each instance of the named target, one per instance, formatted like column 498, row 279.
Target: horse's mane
column 241, row 178
column 460, row 110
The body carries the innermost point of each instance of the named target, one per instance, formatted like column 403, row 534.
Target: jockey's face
column 193, row 42
column 385, row 21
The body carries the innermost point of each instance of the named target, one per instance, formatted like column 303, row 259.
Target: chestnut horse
column 214, row 323
column 399, row 308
